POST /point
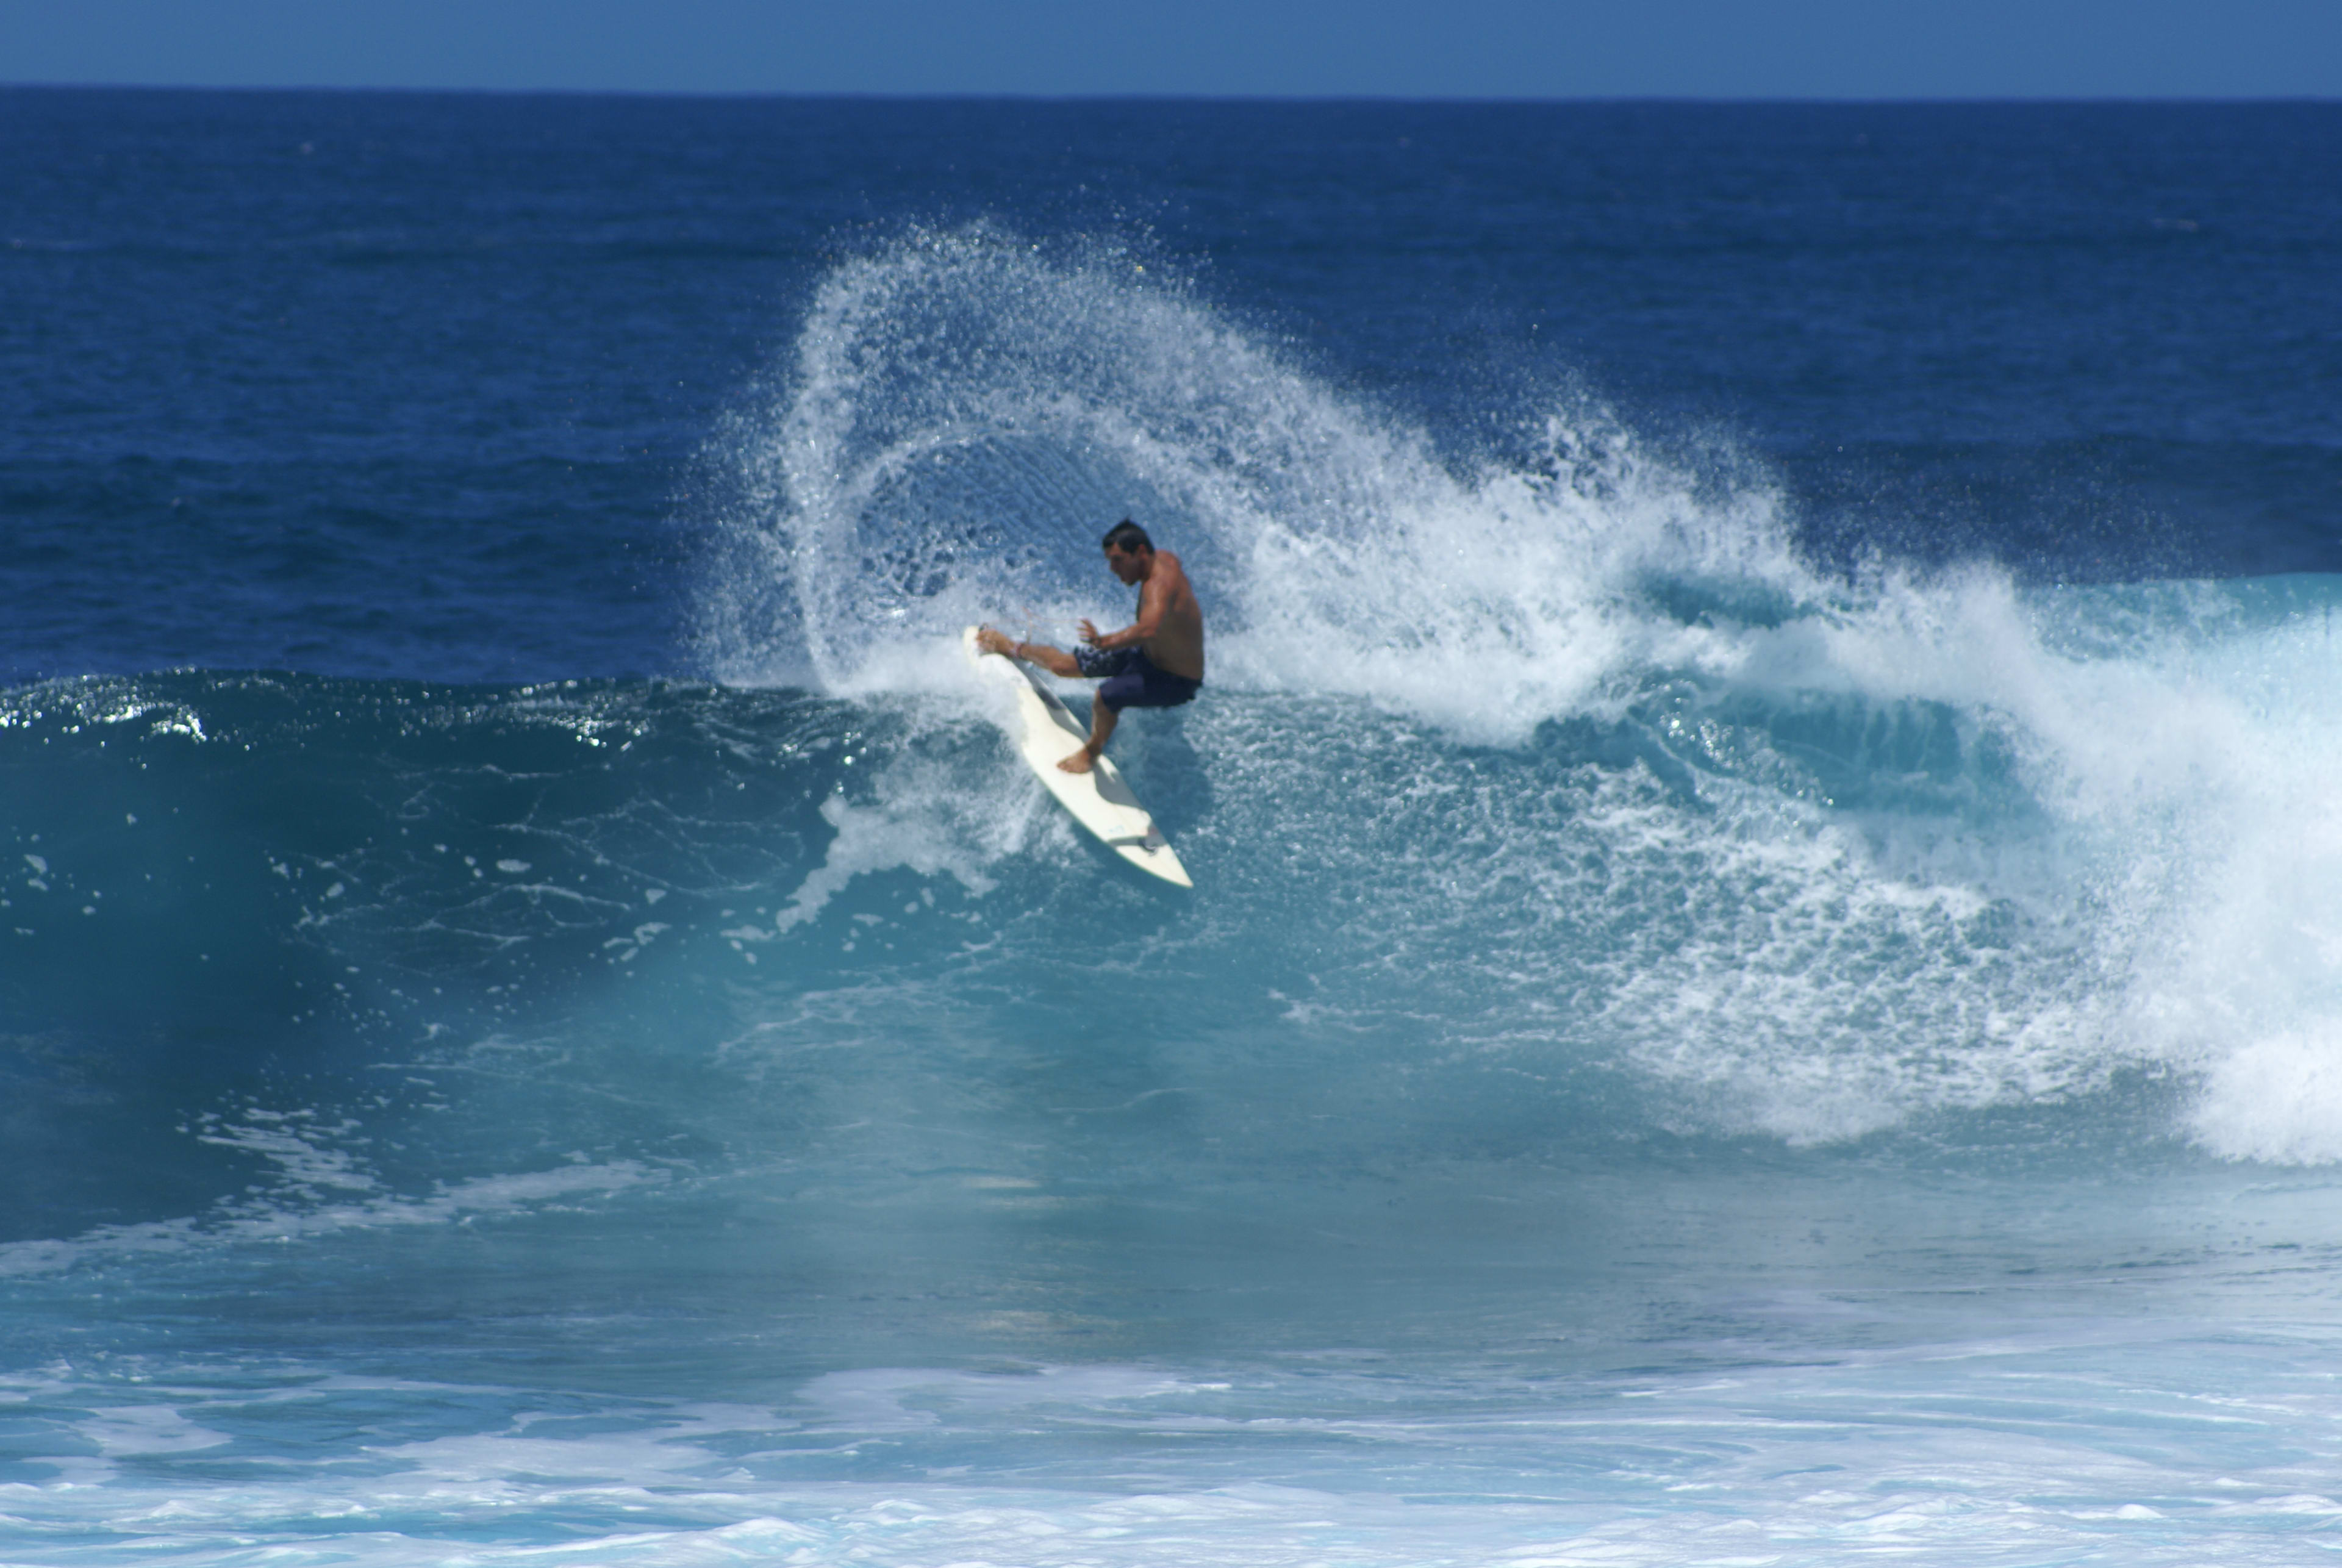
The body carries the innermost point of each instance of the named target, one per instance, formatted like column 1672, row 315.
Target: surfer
column 1156, row 662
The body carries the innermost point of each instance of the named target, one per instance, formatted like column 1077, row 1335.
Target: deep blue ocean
column 1765, row 980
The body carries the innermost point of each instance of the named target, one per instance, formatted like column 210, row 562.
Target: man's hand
column 992, row 642
column 1090, row 635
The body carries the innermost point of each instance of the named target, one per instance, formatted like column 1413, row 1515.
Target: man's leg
column 1055, row 661
column 1102, row 721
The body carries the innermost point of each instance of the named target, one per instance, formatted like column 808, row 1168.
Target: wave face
column 1577, row 741
column 1533, row 805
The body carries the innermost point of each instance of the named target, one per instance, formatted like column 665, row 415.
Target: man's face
column 1130, row 567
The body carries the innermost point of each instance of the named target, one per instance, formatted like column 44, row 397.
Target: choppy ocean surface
column 1765, row 984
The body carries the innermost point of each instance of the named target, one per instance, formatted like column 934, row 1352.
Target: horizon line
column 1201, row 97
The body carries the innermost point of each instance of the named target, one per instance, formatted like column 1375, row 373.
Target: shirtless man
column 1156, row 662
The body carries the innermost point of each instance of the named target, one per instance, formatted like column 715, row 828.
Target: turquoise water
column 1752, row 995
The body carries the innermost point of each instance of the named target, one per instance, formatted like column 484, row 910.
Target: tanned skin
column 1170, row 630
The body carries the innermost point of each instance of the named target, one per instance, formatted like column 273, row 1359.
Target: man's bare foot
column 992, row 642
column 1081, row 762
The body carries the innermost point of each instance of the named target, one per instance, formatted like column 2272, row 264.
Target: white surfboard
column 1046, row 732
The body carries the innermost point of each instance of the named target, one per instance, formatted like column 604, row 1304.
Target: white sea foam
column 2278, row 1099
column 1985, row 1452
column 921, row 812
column 964, row 415
column 319, row 1189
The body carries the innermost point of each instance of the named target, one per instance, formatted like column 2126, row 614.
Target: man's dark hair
column 1127, row 538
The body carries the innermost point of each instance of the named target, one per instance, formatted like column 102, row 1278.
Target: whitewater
column 1688, row 1046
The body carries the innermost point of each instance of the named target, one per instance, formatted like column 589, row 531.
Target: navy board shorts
column 1131, row 680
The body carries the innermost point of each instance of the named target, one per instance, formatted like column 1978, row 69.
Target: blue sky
column 1421, row 48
